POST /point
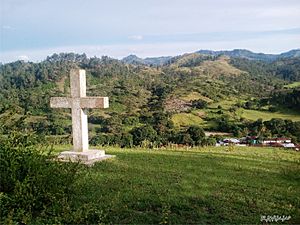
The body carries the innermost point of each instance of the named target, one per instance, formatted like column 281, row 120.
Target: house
column 275, row 144
column 289, row 145
column 271, row 141
column 256, row 141
column 249, row 140
column 228, row 141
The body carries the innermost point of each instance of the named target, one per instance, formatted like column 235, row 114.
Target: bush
column 99, row 139
column 185, row 139
column 272, row 109
column 131, row 120
column 209, row 141
column 143, row 133
column 126, row 140
column 199, row 104
column 197, row 134
column 31, row 184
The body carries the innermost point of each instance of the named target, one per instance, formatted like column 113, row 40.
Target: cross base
column 88, row 157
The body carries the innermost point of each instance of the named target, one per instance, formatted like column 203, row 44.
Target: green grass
column 195, row 96
column 226, row 103
column 293, row 85
column 265, row 115
column 186, row 119
column 197, row 186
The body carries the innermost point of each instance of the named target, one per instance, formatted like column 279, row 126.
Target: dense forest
column 156, row 101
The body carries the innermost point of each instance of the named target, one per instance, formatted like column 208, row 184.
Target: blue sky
column 33, row 29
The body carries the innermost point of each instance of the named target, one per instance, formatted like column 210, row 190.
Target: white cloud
column 136, row 37
column 23, row 57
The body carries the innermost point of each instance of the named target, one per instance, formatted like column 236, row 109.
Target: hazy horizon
column 119, row 58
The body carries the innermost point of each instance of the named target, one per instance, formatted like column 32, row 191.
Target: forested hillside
column 157, row 101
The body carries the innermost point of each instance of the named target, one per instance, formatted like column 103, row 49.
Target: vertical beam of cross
column 79, row 116
column 78, row 103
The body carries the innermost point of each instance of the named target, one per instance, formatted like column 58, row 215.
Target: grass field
column 265, row 115
column 225, row 104
column 256, row 114
column 195, row 96
column 186, row 119
column 293, row 85
column 204, row 186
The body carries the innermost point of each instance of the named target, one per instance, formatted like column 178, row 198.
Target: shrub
column 131, row 120
column 31, row 184
column 143, row 133
column 199, row 104
column 99, row 139
column 209, row 141
column 272, row 109
column 126, row 140
column 185, row 139
column 197, row 134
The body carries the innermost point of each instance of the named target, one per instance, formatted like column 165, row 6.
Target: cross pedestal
column 78, row 102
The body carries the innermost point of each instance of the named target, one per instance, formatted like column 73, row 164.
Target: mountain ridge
column 244, row 53
column 235, row 53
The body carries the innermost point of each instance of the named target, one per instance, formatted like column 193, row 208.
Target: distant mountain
column 236, row 53
column 157, row 61
column 243, row 53
column 133, row 59
column 290, row 54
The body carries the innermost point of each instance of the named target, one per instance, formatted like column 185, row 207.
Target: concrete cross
column 78, row 102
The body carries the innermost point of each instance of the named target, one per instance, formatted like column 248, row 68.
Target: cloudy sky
column 33, row 29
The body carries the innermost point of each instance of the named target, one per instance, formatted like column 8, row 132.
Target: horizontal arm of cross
column 94, row 102
column 60, row 102
column 85, row 102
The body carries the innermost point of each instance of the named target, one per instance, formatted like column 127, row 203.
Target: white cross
column 78, row 102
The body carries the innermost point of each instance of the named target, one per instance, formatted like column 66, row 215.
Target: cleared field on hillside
column 204, row 186
column 225, row 104
column 195, row 96
column 186, row 119
column 255, row 114
column 293, row 85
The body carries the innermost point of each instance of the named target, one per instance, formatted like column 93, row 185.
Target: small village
column 279, row 142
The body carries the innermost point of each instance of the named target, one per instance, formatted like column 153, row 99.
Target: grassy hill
column 200, row 185
column 219, row 67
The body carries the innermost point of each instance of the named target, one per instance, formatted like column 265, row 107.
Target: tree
column 197, row 134
column 143, row 133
